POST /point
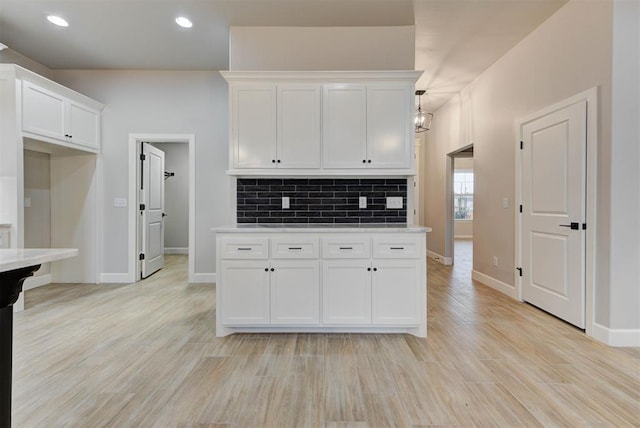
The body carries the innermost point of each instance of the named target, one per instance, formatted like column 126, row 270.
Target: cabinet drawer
column 292, row 247
column 244, row 248
column 397, row 247
column 346, row 247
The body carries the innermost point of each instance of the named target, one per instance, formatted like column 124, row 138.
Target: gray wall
column 176, row 194
column 176, row 102
column 37, row 189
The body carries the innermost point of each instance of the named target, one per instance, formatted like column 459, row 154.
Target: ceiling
column 455, row 39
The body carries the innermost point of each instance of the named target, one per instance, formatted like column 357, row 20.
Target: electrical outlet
column 505, row 203
column 120, row 202
column 285, row 202
column 495, row 261
column 27, row 202
column 362, row 202
column 394, row 202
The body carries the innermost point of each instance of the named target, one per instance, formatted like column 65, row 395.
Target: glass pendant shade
column 423, row 119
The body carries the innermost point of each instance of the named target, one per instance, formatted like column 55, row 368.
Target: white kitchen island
column 15, row 266
column 368, row 278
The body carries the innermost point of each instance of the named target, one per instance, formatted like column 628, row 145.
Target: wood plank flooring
column 146, row 355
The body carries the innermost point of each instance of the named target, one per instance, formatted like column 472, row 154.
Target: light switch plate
column 120, row 202
column 394, row 202
column 285, row 202
column 362, row 202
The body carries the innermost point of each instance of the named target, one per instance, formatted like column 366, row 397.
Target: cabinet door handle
column 272, row 269
column 369, row 161
column 364, row 161
column 244, row 249
column 397, row 248
column 278, row 160
column 295, row 248
column 273, row 161
column 375, row 269
column 346, row 248
column 369, row 269
column 266, row 269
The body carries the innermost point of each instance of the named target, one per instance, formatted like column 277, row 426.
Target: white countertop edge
column 278, row 228
column 11, row 259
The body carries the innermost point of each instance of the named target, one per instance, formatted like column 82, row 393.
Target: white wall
column 175, row 102
column 322, row 48
column 565, row 55
column 9, row 56
column 176, row 195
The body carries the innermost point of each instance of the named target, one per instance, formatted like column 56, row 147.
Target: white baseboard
column 203, row 278
column 616, row 336
column 463, row 237
column 489, row 281
column 447, row 261
column 115, row 278
column 36, row 281
column 176, row 250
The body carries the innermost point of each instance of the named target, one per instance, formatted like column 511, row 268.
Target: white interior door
column 152, row 210
column 553, row 212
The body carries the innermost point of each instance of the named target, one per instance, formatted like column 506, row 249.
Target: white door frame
column 591, row 97
column 135, row 141
column 448, row 203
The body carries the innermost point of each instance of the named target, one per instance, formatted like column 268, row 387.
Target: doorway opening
column 169, row 228
column 459, row 210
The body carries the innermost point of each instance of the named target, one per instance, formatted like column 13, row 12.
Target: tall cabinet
column 41, row 115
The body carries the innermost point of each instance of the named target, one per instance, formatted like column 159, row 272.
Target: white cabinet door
column 346, row 292
column 389, row 114
column 84, row 125
column 43, row 112
column 245, row 294
column 298, row 126
column 295, row 292
column 396, row 292
column 253, row 126
column 344, row 133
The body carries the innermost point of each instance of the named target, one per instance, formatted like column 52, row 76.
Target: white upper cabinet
column 321, row 123
column 298, row 120
column 389, row 120
column 47, row 114
column 43, row 111
column 253, row 126
column 344, row 126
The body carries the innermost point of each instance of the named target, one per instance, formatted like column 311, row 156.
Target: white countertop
column 321, row 228
column 11, row 259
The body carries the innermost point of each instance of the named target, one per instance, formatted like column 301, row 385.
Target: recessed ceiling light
column 184, row 22
column 57, row 21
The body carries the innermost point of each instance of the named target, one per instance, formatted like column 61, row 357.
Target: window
column 463, row 195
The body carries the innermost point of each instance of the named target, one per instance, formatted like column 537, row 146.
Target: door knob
column 573, row 226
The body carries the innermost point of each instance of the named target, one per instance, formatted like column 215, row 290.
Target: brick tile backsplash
column 319, row 200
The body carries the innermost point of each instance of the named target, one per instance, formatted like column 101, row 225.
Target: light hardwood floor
column 146, row 355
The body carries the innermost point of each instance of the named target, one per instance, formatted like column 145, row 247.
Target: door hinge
column 142, row 156
column 141, row 257
column 142, row 207
column 521, row 145
column 520, row 207
column 519, row 269
column 584, row 226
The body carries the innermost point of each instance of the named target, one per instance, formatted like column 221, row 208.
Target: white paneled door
column 553, row 212
column 152, row 210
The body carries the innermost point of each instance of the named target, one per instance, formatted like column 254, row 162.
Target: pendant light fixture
column 423, row 119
